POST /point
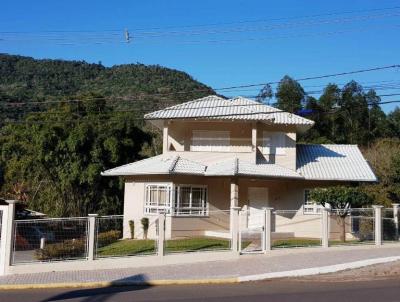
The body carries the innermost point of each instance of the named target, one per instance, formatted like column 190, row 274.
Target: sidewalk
column 259, row 266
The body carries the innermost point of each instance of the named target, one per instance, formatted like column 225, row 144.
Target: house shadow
column 103, row 294
column 313, row 153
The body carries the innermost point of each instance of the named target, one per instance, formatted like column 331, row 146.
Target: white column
column 235, row 228
column 234, row 194
column 254, row 140
column 165, row 137
column 91, row 237
column 234, row 202
column 325, row 227
column 378, row 224
column 396, row 219
column 7, row 231
column 161, row 235
column 267, row 217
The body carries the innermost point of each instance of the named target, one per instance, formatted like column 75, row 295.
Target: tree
column 265, row 95
column 394, row 122
column 353, row 114
column 377, row 122
column 289, row 95
column 59, row 155
column 340, row 199
column 329, row 102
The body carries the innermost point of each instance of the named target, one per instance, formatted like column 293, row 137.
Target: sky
column 220, row 43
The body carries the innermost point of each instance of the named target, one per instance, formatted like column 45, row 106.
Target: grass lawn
column 296, row 242
column 303, row 242
column 142, row 247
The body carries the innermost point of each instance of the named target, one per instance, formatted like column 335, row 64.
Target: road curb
column 247, row 278
column 318, row 270
column 118, row 283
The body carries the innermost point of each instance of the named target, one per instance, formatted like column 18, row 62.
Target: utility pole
column 127, row 36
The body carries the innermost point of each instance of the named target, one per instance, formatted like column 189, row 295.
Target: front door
column 258, row 199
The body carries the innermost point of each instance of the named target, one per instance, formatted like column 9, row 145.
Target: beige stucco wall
column 180, row 136
column 282, row 195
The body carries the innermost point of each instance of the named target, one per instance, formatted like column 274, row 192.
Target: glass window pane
column 197, row 197
column 184, row 197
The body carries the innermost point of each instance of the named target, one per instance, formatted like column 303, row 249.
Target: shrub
column 108, row 237
column 366, row 229
column 145, row 225
column 64, row 250
column 389, row 229
column 132, row 228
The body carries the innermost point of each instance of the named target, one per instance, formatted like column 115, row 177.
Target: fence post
column 378, row 224
column 7, row 230
column 161, row 235
column 235, row 228
column 267, row 219
column 325, row 227
column 92, row 235
column 396, row 219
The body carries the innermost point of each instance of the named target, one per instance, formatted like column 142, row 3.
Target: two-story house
column 219, row 154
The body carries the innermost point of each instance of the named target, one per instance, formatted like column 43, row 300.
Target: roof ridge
column 129, row 164
column 271, row 107
column 236, row 168
column 173, row 163
column 185, row 103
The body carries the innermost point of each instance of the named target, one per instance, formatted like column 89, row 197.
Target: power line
column 110, row 36
column 118, row 30
column 252, row 105
column 225, row 88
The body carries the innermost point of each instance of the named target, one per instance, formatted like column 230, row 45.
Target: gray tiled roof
column 314, row 162
column 333, row 162
column 158, row 165
column 278, row 116
column 178, row 165
column 215, row 107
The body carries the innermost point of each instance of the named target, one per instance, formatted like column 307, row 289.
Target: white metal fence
column 50, row 240
column 246, row 231
column 296, row 228
column 199, row 233
column 109, row 242
column 353, row 226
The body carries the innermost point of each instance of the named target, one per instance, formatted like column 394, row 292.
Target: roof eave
column 341, row 179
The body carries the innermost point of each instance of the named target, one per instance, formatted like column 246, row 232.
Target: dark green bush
column 366, row 230
column 389, row 229
column 132, row 228
column 67, row 249
column 108, row 237
column 145, row 225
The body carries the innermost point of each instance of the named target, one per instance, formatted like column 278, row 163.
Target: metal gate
column 251, row 238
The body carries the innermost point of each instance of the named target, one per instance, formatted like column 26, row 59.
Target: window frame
column 147, row 206
column 316, row 209
column 201, row 211
column 277, row 143
column 173, row 205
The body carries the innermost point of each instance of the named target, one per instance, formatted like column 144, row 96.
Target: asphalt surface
column 278, row 290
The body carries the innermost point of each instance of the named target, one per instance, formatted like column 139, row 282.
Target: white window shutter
column 203, row 140
column 274, row 143
column 280, row 143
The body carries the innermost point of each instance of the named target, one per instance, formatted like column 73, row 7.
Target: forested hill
column 64, row 122
column 24, row 79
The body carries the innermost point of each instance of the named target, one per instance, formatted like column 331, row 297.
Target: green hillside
column 24, row 79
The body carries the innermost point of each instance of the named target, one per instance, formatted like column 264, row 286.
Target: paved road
column 278, row 290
